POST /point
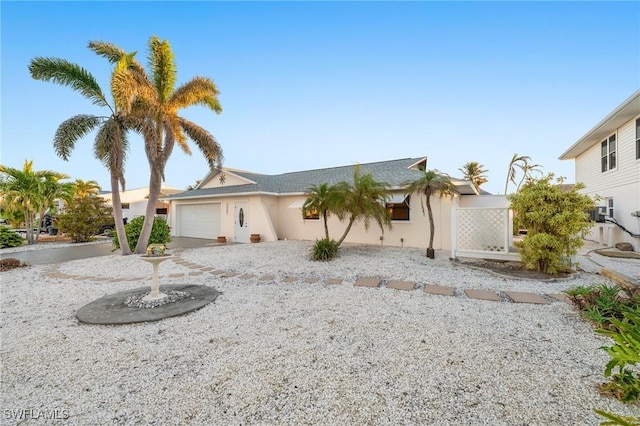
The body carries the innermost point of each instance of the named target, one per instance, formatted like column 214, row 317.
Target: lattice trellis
column 482, row 229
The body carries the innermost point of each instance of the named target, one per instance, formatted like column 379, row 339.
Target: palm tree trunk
column 117, row 216
column 346, row 231
column 326, row 228
column 155, row 183
column 28, row 221
column 432, row 227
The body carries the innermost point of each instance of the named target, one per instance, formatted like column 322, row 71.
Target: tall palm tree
column 364, row 199
column 110, row 144
column 52, row 189
column 87, row 188
column 155, row 99
column 431, row 182
column 527, row 173
column 28, row 191
column 324, row 198
column 474, row 172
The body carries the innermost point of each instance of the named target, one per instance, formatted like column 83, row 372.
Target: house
column 134, row 201
column 607, row 161
column 235, row 204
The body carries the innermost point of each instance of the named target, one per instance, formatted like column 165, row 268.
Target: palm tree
column 430, row 183
column 363, row 199
column 527, row 173
column 29, row 192
column 85, row 188
column 474, row 172
column 155, row 99
column 323, row 198
column 110, row 144
column 52, row 189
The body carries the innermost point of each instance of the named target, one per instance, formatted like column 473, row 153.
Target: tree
column 430, row 183
column 154, row 99
column 84, row 215
column 52, row 189
column 324, row 198
column 29, row 192
column 474, row 172
column 364, row 199
column 522, row 163
column 554, row 219
column 110, row 144
column 87, row 188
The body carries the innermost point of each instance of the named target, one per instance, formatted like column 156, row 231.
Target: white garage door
column 199, row 220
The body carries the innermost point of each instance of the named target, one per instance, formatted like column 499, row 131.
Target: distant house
column 607, row 161
column 134, row 201
column 235, row 203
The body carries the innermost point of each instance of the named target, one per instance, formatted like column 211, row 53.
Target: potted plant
column 255, row 238
column 221, row 239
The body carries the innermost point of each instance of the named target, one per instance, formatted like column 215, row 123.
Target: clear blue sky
column 320, row 84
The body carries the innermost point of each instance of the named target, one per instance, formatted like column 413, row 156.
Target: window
column 125, row 205
column 608, row 153
column 312, row 214
column 398, row 207
column 610, row 207
column 162, row 211
column 638, row 139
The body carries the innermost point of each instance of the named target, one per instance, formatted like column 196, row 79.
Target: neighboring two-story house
column 607, row 161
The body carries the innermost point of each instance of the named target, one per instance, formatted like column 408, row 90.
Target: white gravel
column 268, row 352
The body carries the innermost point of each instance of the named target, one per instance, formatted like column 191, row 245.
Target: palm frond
column 111, row 146
column 162, row 66
column 72, row 130
column 63, row 72
column 197, row 91
column 204, row 141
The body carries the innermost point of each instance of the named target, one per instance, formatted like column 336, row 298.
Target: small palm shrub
column 324, row 249
column 9, row 238
column 160, row 232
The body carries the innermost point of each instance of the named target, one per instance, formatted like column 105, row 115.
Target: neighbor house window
column 610, row 207
column 638, row 139
column 312, row 214
column 125, row 205
column 162, row 211
column 398, row 207
column 608, row 153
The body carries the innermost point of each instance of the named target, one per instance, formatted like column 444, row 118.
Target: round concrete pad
column 111, row 310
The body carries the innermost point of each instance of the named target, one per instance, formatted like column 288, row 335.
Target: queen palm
column 323, row 198
column 155, row 99
column 111, row 143
column 475, row 173
column 430, row 183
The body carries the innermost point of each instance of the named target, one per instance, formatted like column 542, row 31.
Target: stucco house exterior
column 235, row 204
column 134, row 201
column 607, row 161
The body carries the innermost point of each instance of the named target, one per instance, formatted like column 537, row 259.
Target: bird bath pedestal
column 155, row 286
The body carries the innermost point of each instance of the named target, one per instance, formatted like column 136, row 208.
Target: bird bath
column 155, row 286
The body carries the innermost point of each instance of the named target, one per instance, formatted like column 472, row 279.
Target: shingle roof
column 393, row 172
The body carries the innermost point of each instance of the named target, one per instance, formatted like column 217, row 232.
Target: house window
column 610, row 207
column 125, row 205
column 161, row 211
column 312, row 214
column 398, row 207
column 608, row 153
column 638, row 139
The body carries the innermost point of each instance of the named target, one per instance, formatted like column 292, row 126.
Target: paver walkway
column 371, row 282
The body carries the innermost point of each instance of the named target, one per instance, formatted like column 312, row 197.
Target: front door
column 242, row 222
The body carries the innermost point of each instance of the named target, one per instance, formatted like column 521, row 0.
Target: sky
column 307, row 85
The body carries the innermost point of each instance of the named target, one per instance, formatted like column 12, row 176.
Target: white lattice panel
column 482, row 229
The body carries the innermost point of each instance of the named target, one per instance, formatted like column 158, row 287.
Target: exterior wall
column 229, row 180
column 622, row 184
column 411, row 233
column 489, row 201
column 136, row 198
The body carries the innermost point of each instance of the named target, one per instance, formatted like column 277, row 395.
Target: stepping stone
column 267, row 278
column 246, row 276
column 311, row 280
column 482, row 295
column 368, row 282
column 195, row 273
column 439, row 289
column 561, row 297
column 207, row 268
column 229, row 274
column 289, row 279
column 401, row 285
column 332, row 281
column 520, row 297
column 219, row 272
column 176, row 275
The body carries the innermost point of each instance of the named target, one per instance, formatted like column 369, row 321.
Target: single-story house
column 235, row 204
column 134, row 201
column 607, row 161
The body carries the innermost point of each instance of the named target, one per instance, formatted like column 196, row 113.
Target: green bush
column 160, row 232
column 324, row 249
column 83, row 218
column 9, row 238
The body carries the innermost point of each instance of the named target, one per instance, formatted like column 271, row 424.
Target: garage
column 199, row 220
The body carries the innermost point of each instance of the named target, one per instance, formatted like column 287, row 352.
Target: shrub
column 10, row 263
column 83, row 218
column 160, row 232
column 9, row 238
column 324, row 249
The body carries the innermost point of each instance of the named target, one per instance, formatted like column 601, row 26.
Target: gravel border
column 284, row 353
